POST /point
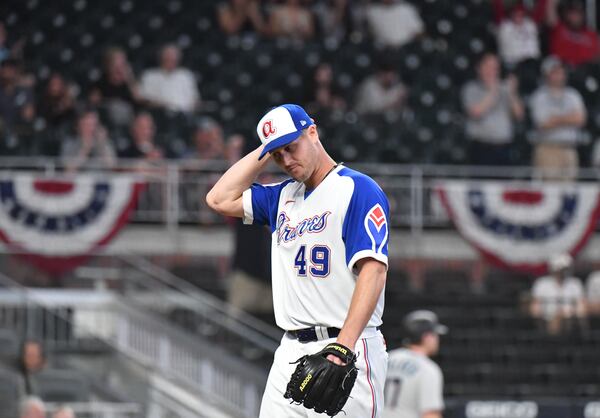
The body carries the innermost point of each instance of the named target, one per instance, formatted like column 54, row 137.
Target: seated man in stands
column 32, row 360
column 558, row 113
column 393, row 23
column 291, row 19
column 143, row 145
column 381, row 92
column 208, row 141
column 91, row 147
column 32, row 407
column 558, row 299
column 170, row 86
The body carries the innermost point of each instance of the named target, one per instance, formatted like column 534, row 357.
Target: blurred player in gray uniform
column 414, row 384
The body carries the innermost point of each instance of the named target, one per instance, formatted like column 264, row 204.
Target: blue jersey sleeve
column 366, row 228
column 261, row 203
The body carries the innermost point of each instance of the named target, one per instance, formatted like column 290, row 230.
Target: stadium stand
column 495, row 350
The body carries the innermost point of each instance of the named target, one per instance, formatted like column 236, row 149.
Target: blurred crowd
column 121, row 114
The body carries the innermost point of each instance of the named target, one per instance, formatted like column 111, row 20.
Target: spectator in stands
column 534, row 9
column 393, row 23
column 209, row 141
column 381, row 92
column 558, row 299
column 332, row 17
column 142, row 144
column 91, row 147
column 518, row 38
column 117, row 90
column 570, row 39
column 10, row 49
column 322, row 94
column 171, row 86
column 17, row 108
column 291, row 19
column 593, row 293
column 4, row 49
column 33, row 407
column 64, row 412
column 491, row 106
column 32, row 360
column 239, row 16
column 558, row 113
column 57, row 102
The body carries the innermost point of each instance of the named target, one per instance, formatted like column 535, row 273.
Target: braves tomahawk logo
column 376, row 226
column 268, row 129
column 310, row 225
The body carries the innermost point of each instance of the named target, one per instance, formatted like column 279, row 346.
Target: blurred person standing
column 570, row 39
column 170, row 86
column 32, row 407
column 558, row 299
column 17, row 108
column 414, row 385
column 90, row 147
column 380, row 92
column 393, row 23
column 117, row 90
column 518, row 37
column 558, row 113
column 593, row 293
column 491, row 105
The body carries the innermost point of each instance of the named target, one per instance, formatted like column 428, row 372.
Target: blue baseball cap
column 282, row 125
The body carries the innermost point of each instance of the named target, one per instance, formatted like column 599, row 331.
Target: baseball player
column 414, row 384
column 329, row 259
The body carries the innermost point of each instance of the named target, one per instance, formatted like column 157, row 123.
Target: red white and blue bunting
column 521, row 225
column 57, row 223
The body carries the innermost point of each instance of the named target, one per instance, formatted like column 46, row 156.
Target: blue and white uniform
column 317, row 238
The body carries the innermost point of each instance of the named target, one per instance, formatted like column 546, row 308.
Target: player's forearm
column 226, row 195
column 369, row 286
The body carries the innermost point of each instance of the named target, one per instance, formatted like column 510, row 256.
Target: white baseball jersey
column 557, row 297
column 414, row 385
column 317, row 238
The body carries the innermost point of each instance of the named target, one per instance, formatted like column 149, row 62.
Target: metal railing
column 175, row 190
column 99, row 409
column 146, row 339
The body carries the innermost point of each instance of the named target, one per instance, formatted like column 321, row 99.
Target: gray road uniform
column 414, row 385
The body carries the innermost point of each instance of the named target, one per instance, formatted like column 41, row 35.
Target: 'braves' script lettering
column 311, row 225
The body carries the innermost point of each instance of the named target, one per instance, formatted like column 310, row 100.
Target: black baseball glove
column 320, row 384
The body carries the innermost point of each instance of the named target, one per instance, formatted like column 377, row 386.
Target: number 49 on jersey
column 316, row 262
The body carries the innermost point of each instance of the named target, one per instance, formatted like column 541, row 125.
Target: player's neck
column 326, row 166
column 419, row 350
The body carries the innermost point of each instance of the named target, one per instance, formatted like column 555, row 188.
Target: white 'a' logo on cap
column 268, row 129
